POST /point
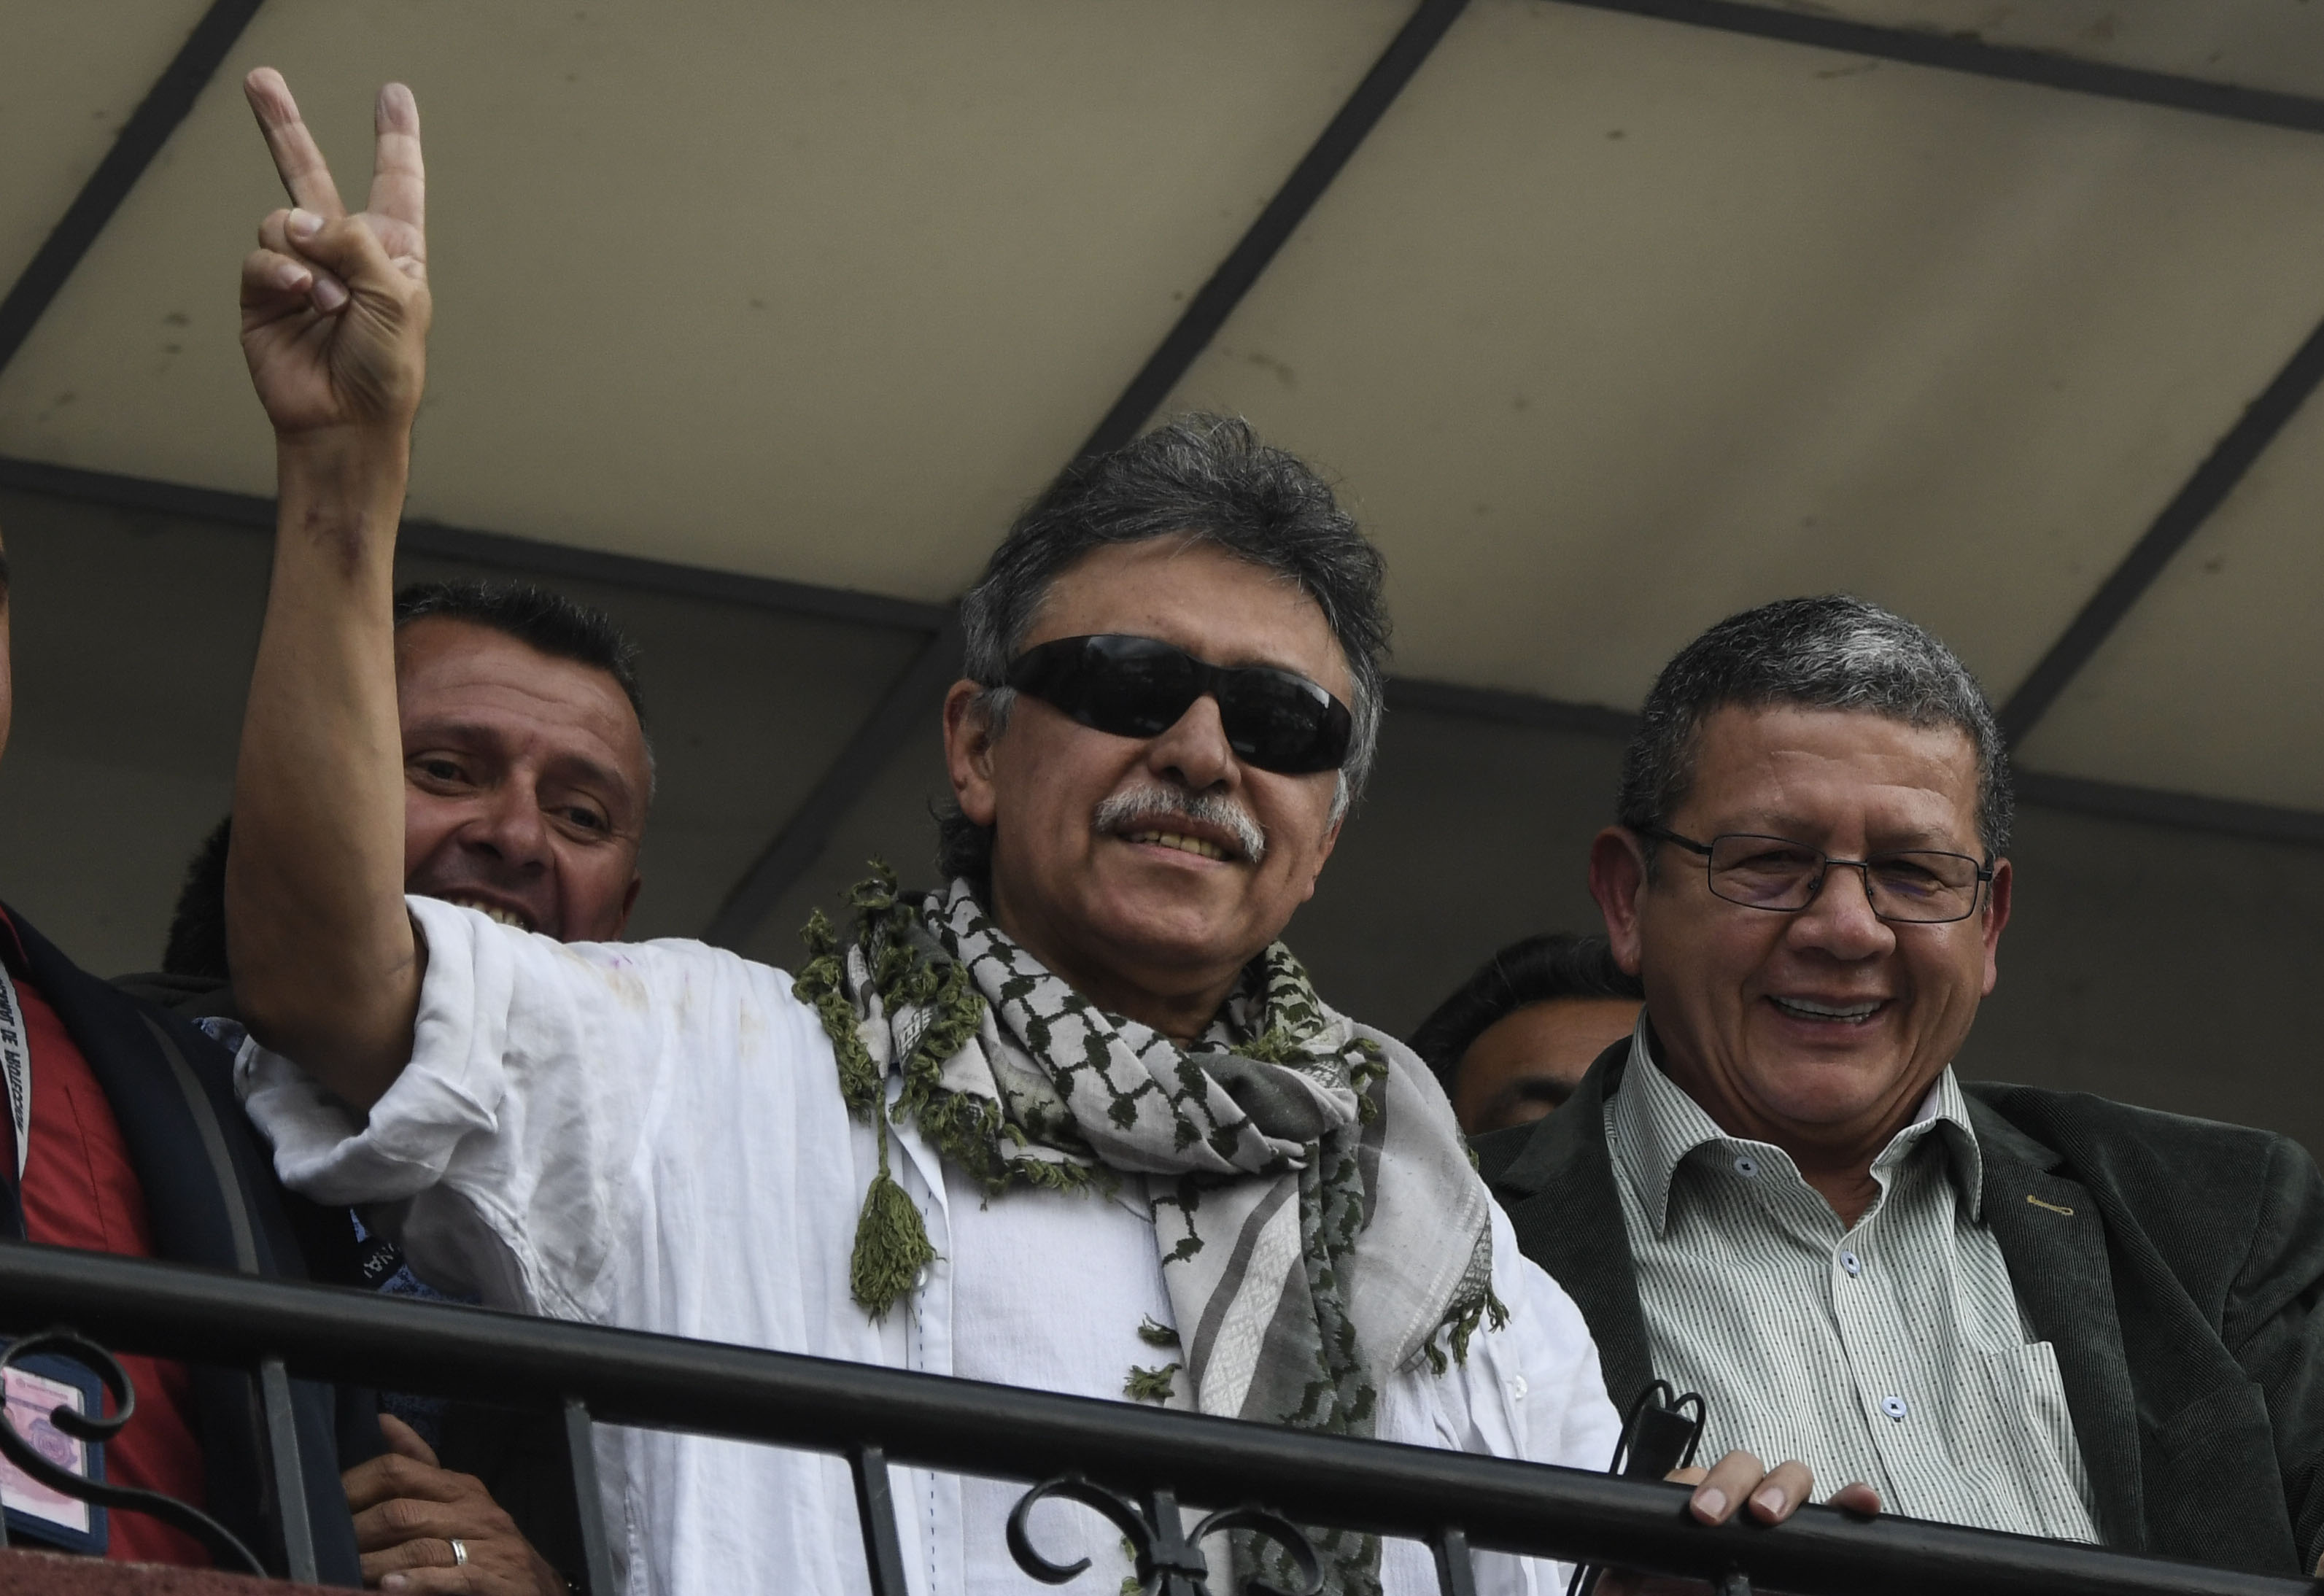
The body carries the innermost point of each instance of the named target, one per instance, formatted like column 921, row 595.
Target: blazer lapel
column 2054, row 1242
column 1568, row 1217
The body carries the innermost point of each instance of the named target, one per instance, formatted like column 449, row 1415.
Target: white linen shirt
column 651, row 1136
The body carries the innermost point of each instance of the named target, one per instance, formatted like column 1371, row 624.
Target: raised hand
column 335, row 311
column 335, row 307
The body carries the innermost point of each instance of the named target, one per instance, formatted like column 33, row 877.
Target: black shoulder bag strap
column 289, row 1479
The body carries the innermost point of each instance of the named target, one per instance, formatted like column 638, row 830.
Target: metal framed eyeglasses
column 1912, row 886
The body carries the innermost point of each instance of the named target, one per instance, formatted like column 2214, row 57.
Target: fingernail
column 1771, row 1500
column 304, row 223
column 329, row 295
column 1710, row 1501
column 395, row 1581
column 289, row 276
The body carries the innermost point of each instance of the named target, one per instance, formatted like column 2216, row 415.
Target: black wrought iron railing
column 1137, row 1466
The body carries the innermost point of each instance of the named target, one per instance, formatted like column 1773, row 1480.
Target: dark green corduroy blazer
column 2175, row 1264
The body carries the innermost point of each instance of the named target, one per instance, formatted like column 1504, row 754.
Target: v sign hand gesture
column 335, row 311
column 335, row 307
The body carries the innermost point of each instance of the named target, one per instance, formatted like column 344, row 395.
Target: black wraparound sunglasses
column 1139, row 686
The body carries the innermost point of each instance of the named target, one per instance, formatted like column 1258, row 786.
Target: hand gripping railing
column 1135, row 1456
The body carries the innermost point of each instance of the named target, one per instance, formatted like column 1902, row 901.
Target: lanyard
column 16, row 1063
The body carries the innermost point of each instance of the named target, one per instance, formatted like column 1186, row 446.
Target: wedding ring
column 459, row 1553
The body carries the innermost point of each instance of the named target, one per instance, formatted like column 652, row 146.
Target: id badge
column 34, row 1390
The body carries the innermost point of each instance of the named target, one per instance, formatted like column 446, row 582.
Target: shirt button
column 1517, row 1387
column 1745, row 1166
column 1851, row 1263
column 1895, row 1408
column 920, row 1281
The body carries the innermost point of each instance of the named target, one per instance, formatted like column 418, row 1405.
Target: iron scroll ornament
column 1167, row 1559
column 62, row 1342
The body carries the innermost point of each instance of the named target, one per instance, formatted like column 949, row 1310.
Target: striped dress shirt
column 1893, row 1351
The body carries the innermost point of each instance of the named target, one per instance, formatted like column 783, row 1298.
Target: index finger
column 399, row 184
column 1787, row 1485
column 1732, row 1478
column 297, row 157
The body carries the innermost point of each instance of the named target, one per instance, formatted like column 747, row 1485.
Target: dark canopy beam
column 1208, row 310
column 1406, row 694
column 498, row 550
column 1965, row 52
column 141, row 139
column 2182, row 811
column 2181, row 519
column 910, row 704
column 2235, row 451
column 2111, row 800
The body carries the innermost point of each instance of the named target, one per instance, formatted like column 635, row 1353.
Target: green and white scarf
column 1320, row 1223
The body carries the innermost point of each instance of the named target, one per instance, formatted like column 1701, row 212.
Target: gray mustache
column 1142, row 806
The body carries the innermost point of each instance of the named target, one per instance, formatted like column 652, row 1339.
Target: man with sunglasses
column 2025, row 1310
column 1075, row 1121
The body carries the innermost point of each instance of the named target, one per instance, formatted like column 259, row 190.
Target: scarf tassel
column 1461, row 1326
column 891, row 1247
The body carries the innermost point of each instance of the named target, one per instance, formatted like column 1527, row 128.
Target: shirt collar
column 1652, row 1125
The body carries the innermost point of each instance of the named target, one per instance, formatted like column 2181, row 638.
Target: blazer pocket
column 2225, row 1418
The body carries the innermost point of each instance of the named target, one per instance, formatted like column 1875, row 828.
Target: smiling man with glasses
column 1995, row 1305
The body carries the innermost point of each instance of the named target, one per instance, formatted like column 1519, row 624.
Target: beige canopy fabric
column 1609, row 317
column 1611, row 324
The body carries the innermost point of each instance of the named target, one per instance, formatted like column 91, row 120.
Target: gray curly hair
column 1831, row 652
column 1209, row 479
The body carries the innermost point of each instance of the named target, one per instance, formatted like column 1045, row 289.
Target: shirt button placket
column 1859, row 1304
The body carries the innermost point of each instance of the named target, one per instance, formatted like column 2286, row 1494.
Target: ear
column 1996, row 916
column 629, row 902
column 968, row 751
column 1618, row 880
column 1323, row 855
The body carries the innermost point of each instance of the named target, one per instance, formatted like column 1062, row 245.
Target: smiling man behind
column 527, row 779
column 2027, row 1310
column 527, row 773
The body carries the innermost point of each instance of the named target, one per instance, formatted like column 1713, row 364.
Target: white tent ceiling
column 1623, row 315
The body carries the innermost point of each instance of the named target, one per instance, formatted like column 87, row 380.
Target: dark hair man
column 527, row 777
column 123, row 1137
column 526, row 766
column 1173, row 681
column 1512, row 1040
column 2027, row 1310
column 527, row 774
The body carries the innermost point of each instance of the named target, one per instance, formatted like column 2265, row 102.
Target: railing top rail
column 669, row 1382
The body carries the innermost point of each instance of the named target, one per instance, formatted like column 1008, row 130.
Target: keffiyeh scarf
column 1319, row 1222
